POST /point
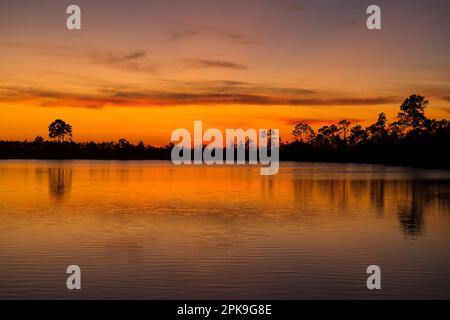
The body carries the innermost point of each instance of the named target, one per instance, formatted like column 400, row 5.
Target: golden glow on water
column 154, row 230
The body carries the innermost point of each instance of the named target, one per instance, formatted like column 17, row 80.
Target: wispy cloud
column 214, row 33
column 134, row 61
column 212, row 64
column 111, row 57
column 181, row 94
column 236, row 87
column 51, row 98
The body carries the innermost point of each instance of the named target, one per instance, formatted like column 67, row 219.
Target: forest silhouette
column 412, row 140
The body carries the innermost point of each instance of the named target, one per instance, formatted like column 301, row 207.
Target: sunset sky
column 140, row 69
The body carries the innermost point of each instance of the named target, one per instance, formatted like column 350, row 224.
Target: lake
column 152, row 230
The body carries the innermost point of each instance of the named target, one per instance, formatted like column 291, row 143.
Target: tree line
column 412, row 139
column 63, row 147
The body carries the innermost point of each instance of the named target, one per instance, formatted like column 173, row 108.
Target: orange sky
column 142, row 70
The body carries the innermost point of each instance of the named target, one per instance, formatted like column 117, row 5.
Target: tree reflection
column 411, row 214
column 408, row 200
column 422, row 196
column 59, row 181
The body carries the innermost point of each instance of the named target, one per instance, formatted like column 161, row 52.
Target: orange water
column 154, row 230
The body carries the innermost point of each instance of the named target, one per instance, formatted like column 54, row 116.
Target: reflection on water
column 59, row 181
column 153, row 230
column 411, row 213
column 411, row 197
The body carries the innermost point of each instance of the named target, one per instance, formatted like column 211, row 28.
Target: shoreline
column 424, row 167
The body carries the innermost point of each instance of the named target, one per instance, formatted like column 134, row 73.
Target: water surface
column 143, row 229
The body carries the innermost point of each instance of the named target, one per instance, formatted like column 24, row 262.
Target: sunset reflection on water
column 155, row 230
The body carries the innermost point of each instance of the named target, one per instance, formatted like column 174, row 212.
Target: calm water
column 153, row 230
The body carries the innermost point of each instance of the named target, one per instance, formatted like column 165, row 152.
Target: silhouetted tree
column 328, row 136
column 59, row 130
column 378, row 131
column 357, row 135
column 396, row 131
column 343, row 127
column 123, row 143
column 412, row 114
column 39, row 140
column 140, row 145
column 411, row 139
column 433, row 126
column 303, row 132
